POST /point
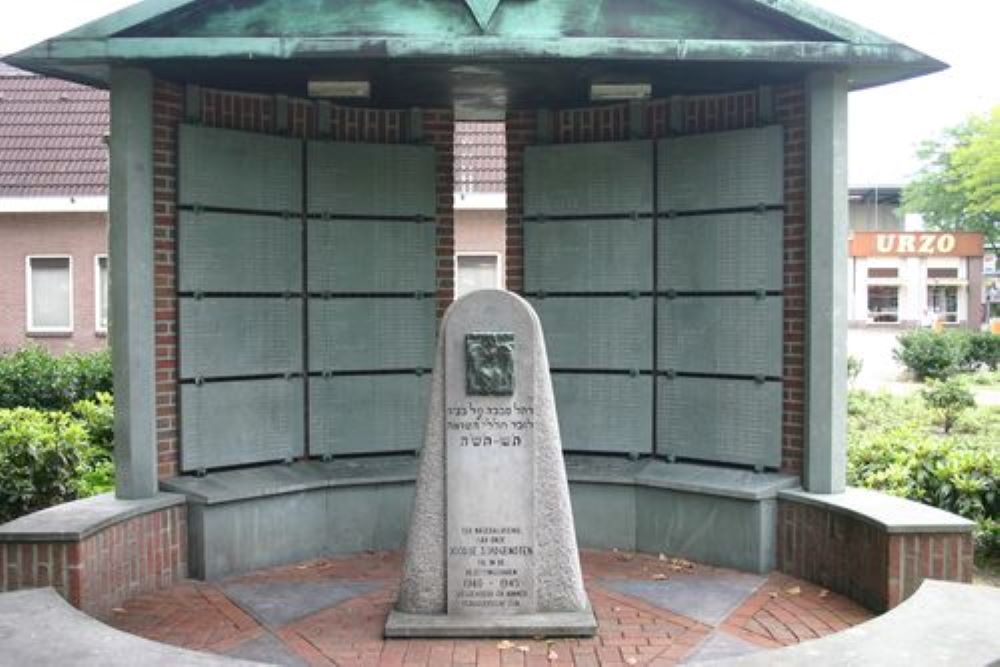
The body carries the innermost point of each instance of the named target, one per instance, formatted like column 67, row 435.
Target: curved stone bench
column 38, row 627
column 248, row 519
column 943, row 623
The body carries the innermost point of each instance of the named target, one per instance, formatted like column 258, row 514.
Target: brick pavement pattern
column 780, row 611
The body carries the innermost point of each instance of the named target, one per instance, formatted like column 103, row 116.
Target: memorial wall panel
column 240, row 422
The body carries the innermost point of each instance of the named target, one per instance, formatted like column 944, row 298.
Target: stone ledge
column 565, row 624
column 892, row 514
column 279, row 479
column 941, row 624
column 40, row 628
column 715, row 481
column 76, row 521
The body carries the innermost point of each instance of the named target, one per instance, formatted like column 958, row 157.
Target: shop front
column 912, row 279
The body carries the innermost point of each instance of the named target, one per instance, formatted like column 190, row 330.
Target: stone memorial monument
column 492, row 548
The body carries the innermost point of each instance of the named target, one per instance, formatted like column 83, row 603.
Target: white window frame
column 28, row 302
column 98, row 296
column 484, row 253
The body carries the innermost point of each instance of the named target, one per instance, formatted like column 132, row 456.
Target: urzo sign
column 902, row 244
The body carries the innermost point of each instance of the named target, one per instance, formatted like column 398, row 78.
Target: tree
column 958, row 187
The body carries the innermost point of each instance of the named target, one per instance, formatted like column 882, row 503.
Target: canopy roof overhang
column 476, row 54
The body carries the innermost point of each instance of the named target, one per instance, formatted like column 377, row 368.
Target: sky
column 887, row 124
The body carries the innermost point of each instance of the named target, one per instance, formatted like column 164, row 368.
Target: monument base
column 560, row 624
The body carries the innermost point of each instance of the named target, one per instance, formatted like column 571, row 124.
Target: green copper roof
column 483, row 10
column 600, row 39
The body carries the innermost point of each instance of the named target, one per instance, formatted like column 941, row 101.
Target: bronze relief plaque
column 489, row 364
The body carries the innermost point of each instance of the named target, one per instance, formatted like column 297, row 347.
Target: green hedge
column 895, row 446
column 32, row 377
column 938, row 355
column 51, row 457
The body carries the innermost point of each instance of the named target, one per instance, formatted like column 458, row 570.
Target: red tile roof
column 480, row 157
column 51, row 137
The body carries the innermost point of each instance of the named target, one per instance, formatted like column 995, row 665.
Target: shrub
column 32, row 377
column 40, row 457
column 948, row 399
column 983, row 351
column 854, row 367
column 98, row 417
column 892, row 447
column 931, row 354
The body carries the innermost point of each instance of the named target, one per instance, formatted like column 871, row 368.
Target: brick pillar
column 790, row 112
column 167, row 110
column 439, row 132
column 522, row 128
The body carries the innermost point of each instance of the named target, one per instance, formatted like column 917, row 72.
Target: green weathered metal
column 321, row 32
column 483, row 10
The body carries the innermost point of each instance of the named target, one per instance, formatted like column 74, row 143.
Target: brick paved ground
column 652, row 610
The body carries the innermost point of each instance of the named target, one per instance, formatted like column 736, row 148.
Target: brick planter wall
column 100, row 571
column 863, row 560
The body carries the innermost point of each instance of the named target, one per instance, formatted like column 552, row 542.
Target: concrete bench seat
column 38, row 627
column 943, row 623
column 246, row 519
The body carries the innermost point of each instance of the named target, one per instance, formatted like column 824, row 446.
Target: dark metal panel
column 222, row 252
column 597, row 332
column 731, row 252
column 371, row 179
column 371, row 256
column 588, row 256
column 367, row 414
column 236, row 423
column 730, row 335
column 242, row 170
column 371, row 334
column 605, row 413
column 588, row 179
column 729, row 421
column 239, row 337
column 722, row 170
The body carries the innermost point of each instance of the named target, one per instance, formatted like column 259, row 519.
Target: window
column 883, row 273
column 476, row 272
column 101, row 293
column 883, row 304
column 942, row 273
column 942, row 301
column 49, row 294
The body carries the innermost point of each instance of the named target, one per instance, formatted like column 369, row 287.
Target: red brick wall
column 790, row 111
column 698, row 115
column 522, row 131
column 439, row 132
column 142, row 554
column 863, row 561
column 81, row 236
column 167, row 109
column 257, row 113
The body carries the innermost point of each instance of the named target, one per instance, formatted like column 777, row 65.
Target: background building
column 901, row 276
column 53, row 212
column 480, row 206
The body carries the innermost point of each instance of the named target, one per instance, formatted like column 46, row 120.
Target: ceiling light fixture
column 620, row 91
column 340, row 89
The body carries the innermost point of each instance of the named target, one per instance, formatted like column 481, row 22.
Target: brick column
column 522, row 128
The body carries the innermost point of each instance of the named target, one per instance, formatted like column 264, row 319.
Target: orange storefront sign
column 916, row 244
